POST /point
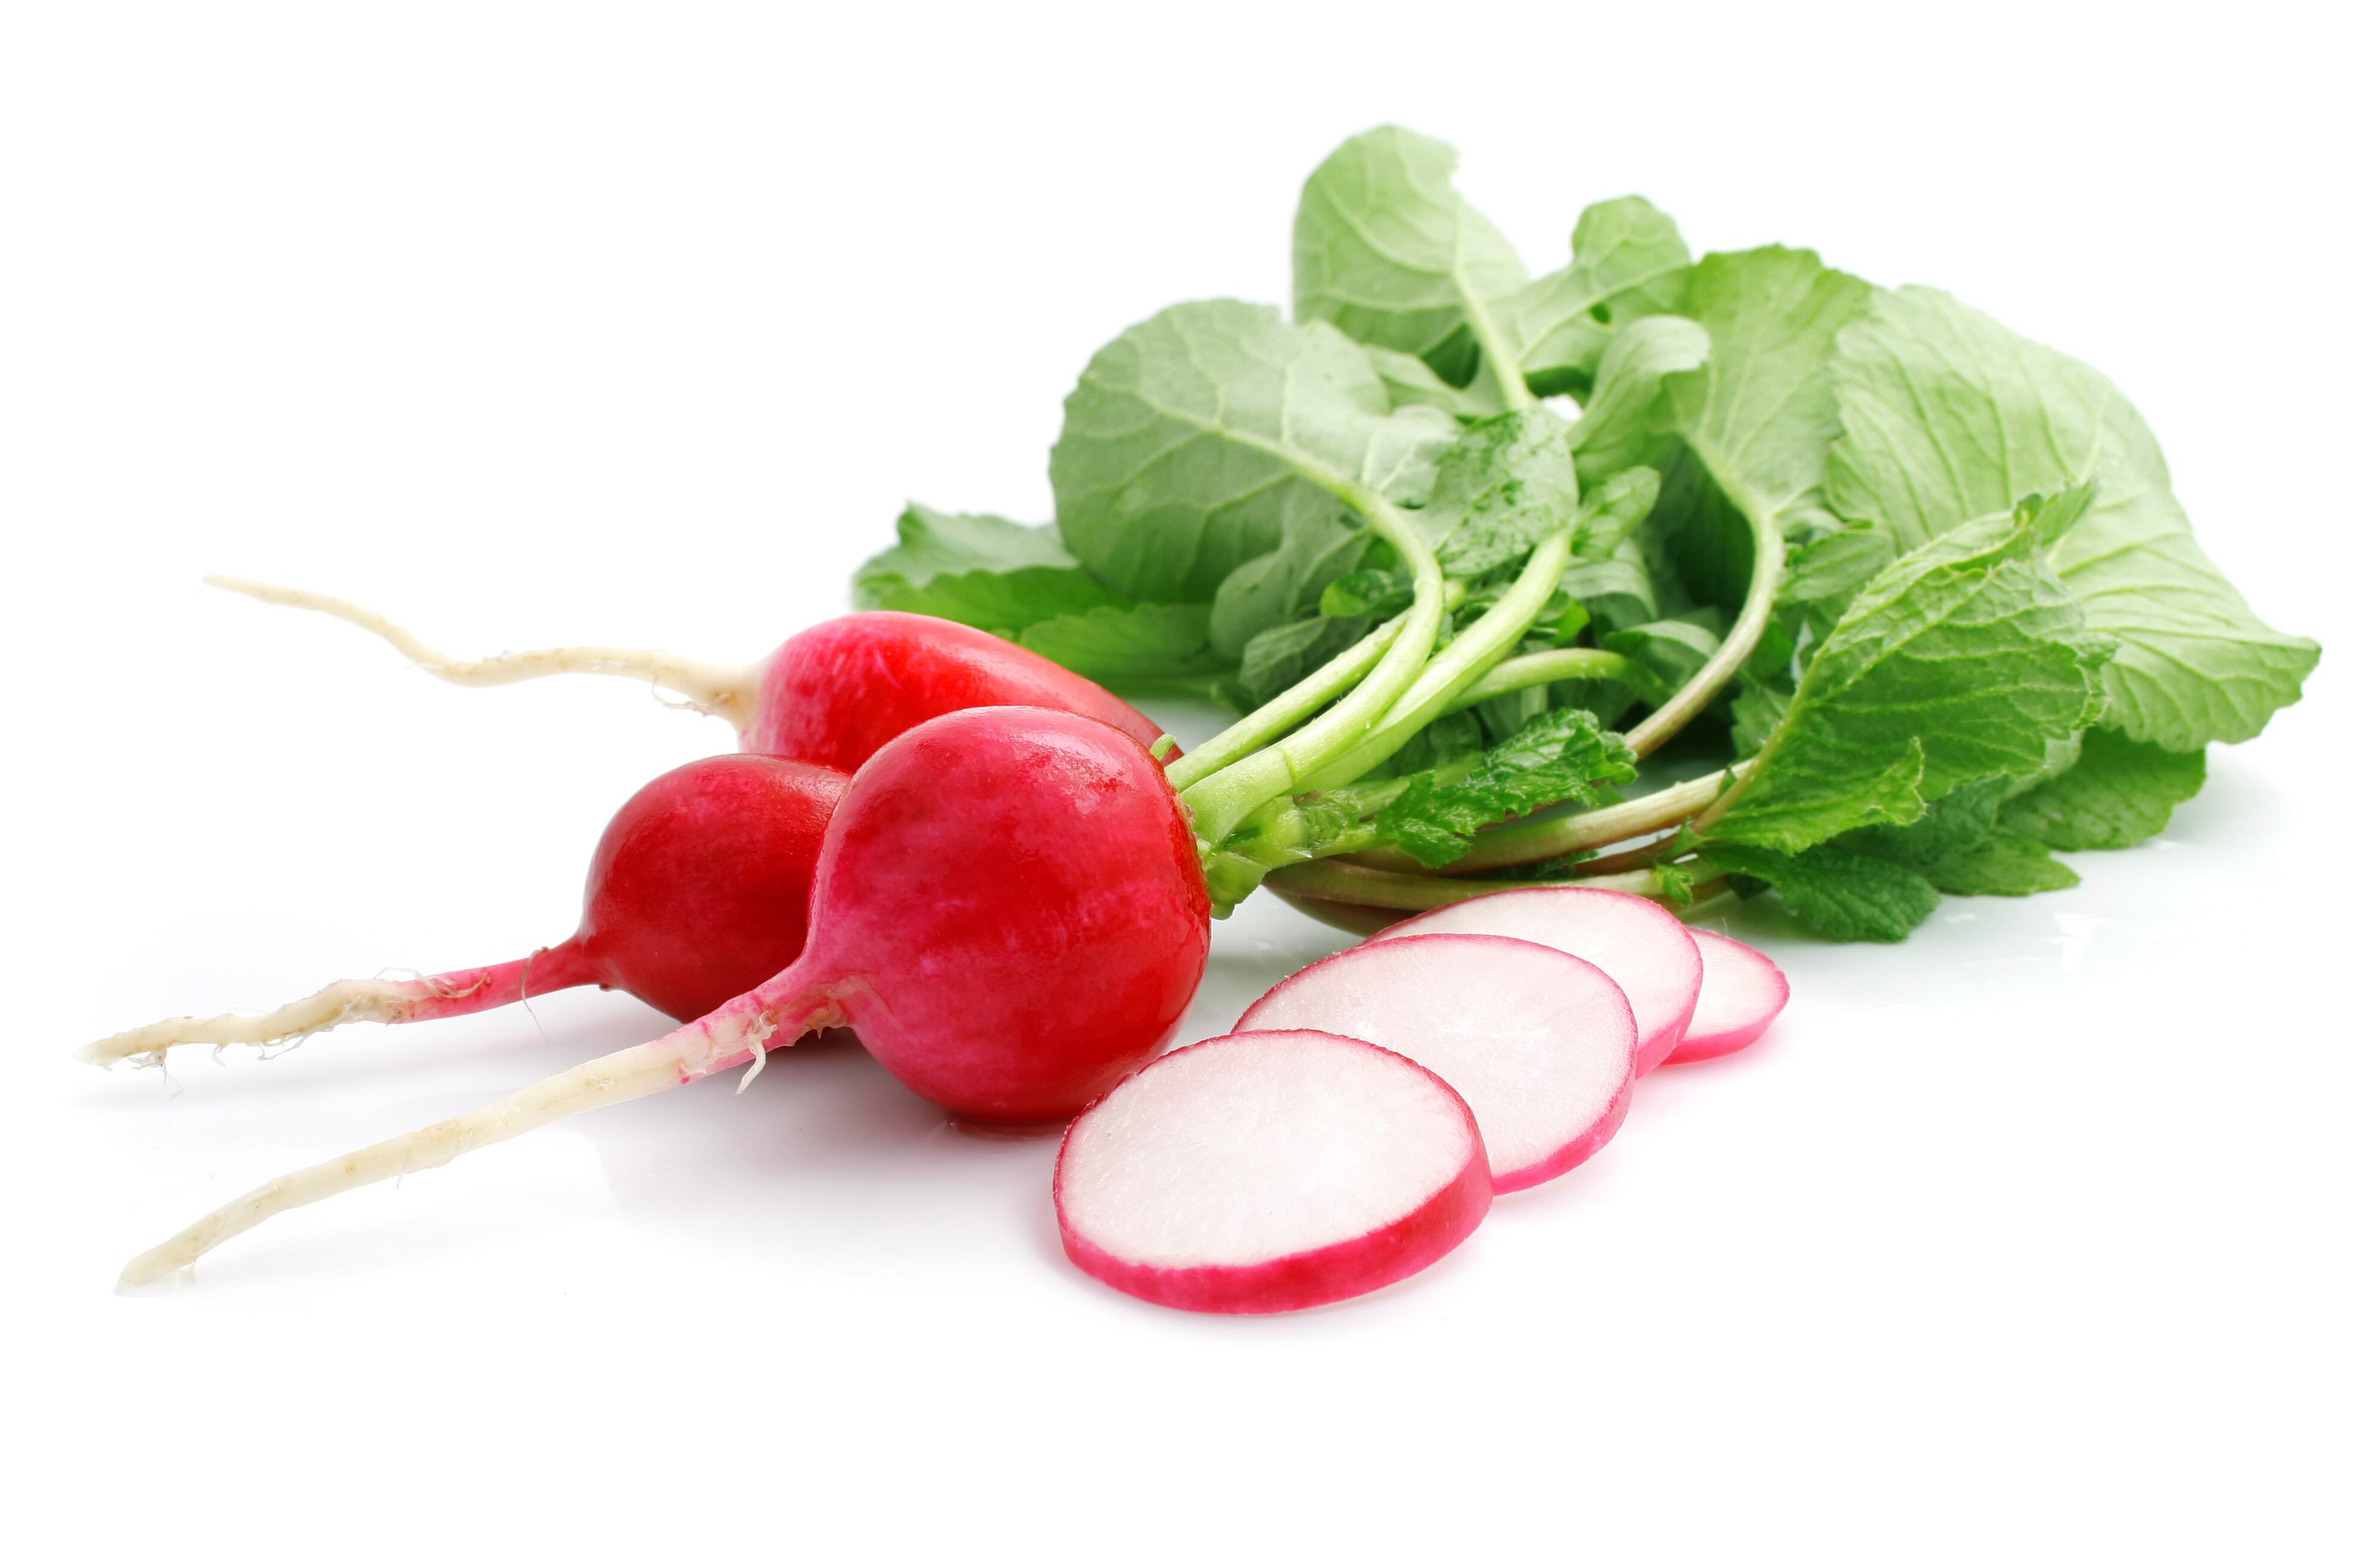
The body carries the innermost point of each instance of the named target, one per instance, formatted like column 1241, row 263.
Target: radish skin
column 1007, row 909
column 1636, row 941
column 832, row 695
column 1540, row 1043
column 1262, row 1172
column 698, row 891
column 1742, row 992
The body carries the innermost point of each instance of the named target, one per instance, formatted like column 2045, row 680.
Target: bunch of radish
column 989, row 870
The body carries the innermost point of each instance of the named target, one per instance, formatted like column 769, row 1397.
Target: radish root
column 354, row 1002
column 726, row 693
column 720, row 1040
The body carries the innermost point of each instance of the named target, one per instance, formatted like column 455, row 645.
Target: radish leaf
column 2119, row 794
column 1558, row 757
column 1946, row 413
column 1962, row 661
column 1208, row 435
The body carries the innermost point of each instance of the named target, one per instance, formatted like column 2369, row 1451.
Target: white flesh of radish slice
column 1262, row 1172
column 1631, row 939
column 1540, row 1043
column 1743, row 993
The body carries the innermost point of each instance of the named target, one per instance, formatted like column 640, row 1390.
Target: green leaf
column 1627, row 262
column 1387, row 251
column 2119, row 794
column 1197, row 440
column 1668, row 650
column 1838, row 894
column 1962, row 661
column 1410, row 381
column 1611, row 511
column 1617, row 590
column 1367, row 594
column 2004, row 863
column 1558, row 757
column 1280, row 657
column 1947, row 414
column 1617, row 426
column 1316, row 549
column 1504, row 486
column 1135, row 643
column 986, row 572
column 1761, row 415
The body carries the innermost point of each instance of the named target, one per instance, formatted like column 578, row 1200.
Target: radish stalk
column 1565, row 665
column 1520, row 845
column 1219, row 802
column 357, row 1002
column 1451, row 672
column 1286, row 710
column 1759, row 599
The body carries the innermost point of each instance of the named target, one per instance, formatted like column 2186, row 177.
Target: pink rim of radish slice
column 1258, row 1173
column 1540, row 1043
column 1636, row 942
column 1742, row 992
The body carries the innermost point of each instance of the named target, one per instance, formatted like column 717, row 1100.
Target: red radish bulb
column 1636, row 942
column 1742, row 992
column 1540, row 1043
column 1262, row 1172
column 699, row 889
column 832, row 695
column 1007, row 909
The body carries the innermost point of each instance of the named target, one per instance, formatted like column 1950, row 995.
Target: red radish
column 1007, row 909
column 1626, row 936
column 1742, row 992
column 699, row 889
column 1262, row 1172
column 832, row 695
column 1540, row 1043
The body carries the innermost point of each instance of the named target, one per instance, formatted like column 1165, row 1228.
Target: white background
column 2052, row 1227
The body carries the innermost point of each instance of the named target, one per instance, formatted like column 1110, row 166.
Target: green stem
column 1342, row 882
column 1522, row 844
column 1219, row 802
column 1540, row 667
column 1453, row 671
column 1284, row 711
column 1495, row 354
column 1759, row 599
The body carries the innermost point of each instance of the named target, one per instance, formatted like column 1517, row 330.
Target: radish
column 1007, row 909
column 1540, row 1043
column 1636, row 941
column 1262, row 1172
column 1742, row 992
column 699, row 889
column 832, row 695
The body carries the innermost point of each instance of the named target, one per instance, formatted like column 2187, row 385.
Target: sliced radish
column 1631, row 939
column 1743, row 993
column 1261, row 1172
column 1540, row 1043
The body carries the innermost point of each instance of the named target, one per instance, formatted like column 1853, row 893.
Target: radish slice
column 1743, row 993
column 1628, row 937
column 1541, row 1045
column 1261, row 1172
